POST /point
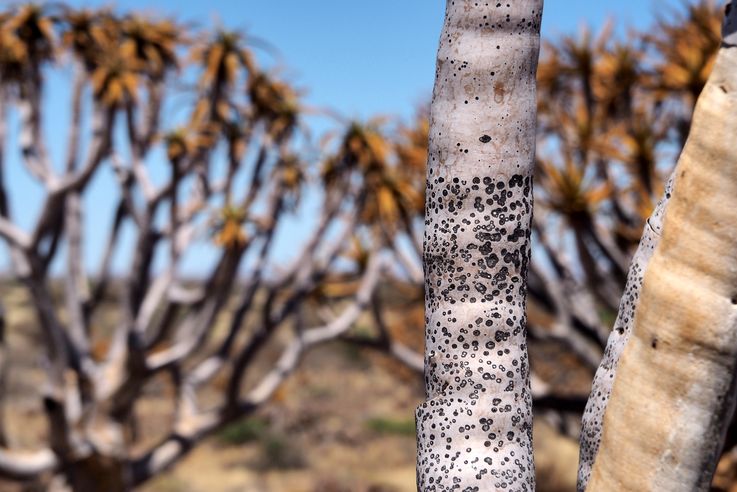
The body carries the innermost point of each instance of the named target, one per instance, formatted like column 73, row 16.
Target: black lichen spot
column 484, row 139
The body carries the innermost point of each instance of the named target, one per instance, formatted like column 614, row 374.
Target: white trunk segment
column 601, row 388
column 474, row 432
column 674, row 393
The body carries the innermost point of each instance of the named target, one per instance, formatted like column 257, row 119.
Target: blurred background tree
column 111, row 379
column 228, row 172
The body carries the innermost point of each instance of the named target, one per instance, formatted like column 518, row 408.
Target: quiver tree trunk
column 475, row 429
column 674, row 391
column 601, row 387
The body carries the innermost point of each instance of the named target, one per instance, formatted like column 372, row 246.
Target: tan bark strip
column 675, row 387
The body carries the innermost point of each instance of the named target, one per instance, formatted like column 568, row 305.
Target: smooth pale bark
column 474, row 432
column 674, row 392
column 601, row 387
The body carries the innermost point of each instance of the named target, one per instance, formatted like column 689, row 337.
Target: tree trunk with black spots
column 475, row 428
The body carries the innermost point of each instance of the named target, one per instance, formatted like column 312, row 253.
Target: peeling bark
column 675, row 387
column 601, row 387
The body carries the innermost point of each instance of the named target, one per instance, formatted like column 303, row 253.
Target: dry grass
column 343, row 423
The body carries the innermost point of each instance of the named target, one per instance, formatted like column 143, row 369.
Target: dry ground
column 343, row 422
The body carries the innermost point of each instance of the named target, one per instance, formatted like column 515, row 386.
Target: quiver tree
column 611, row 115
column 682, row 350
column 601, row 388
column 475, row 429
column 222, row 172
column 624, row 115
column 610, row 119
column 227, row 171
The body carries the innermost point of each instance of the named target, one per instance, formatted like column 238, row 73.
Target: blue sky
column 368, row 57
column 359, row 58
